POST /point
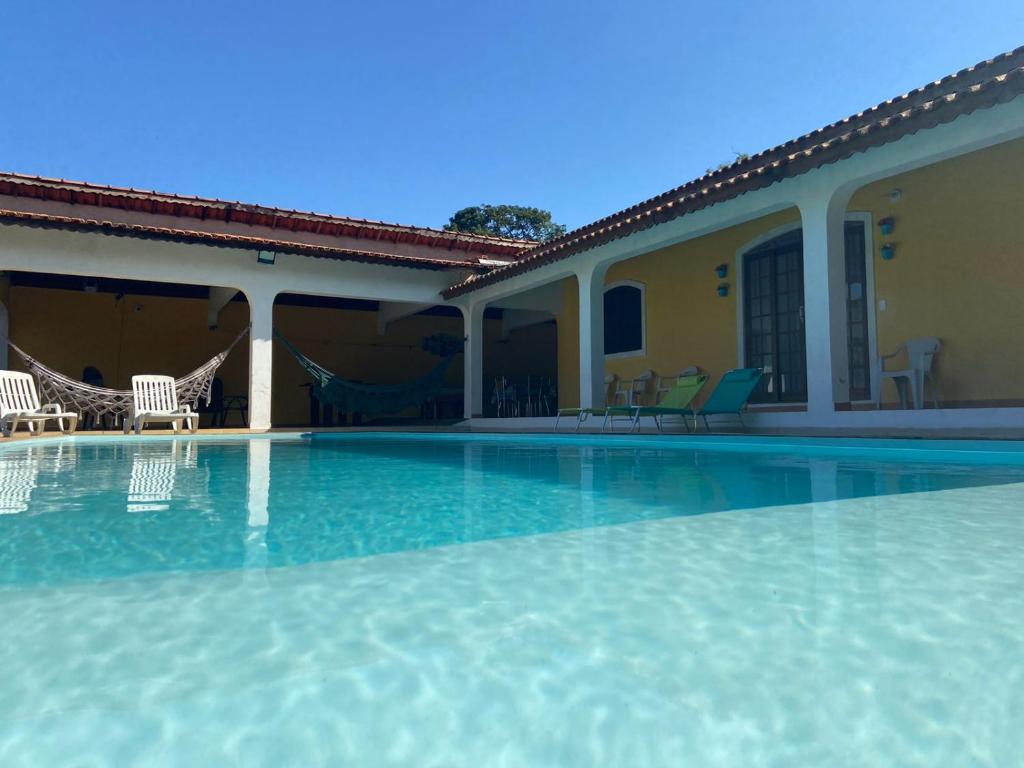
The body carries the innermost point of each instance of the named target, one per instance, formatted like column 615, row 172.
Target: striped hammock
column 55, row 387
column 375, row 399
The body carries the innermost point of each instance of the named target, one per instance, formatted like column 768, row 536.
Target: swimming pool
column 445, row 600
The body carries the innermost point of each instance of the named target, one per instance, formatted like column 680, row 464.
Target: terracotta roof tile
column 186, row 206
column 121, row 229
column 984, row 85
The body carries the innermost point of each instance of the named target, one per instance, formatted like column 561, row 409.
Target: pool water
column 472, row 601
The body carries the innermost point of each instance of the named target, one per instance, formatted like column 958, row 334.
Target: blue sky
column 407, row 111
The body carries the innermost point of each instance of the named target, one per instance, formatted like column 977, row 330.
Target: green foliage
column 515, row 221
column 740, row 157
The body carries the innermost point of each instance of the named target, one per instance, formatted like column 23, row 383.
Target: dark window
column 857, row 311
column 623, row 319
column 773, row 317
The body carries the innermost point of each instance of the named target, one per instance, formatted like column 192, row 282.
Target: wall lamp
column 266, row 257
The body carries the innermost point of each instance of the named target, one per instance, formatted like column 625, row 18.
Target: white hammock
column 55, row 387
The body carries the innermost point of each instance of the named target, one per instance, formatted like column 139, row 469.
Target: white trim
column 642, row 352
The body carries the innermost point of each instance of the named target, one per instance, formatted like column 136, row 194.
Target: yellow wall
column 957, row 275
column 69, row 330
column 688, row 323
column 958, row 272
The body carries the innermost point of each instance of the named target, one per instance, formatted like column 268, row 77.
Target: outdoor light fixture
column 266, row 257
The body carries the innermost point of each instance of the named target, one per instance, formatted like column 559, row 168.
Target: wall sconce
column 895, row 195
column 723, row 289
column 888, row 250
column 722, row 270
column 266, row 257
column 887, row 225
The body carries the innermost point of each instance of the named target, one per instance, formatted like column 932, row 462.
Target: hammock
column 375, row 399
column 55, row 387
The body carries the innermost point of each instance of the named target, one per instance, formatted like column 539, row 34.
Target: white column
column 823, row 217
column 591, row 287
column 473, row 360
column 261, row 358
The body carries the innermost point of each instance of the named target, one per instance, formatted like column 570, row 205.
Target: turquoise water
column 449, row 601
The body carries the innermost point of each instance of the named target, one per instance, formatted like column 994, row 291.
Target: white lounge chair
column 19, row 402
column 157, row 402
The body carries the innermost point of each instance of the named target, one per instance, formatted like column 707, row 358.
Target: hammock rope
column 55, row 387
column 375, row 399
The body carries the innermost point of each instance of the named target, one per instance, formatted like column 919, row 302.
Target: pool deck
column 1008, row 433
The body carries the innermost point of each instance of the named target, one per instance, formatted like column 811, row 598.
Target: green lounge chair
column 730, row 396
column 581, row 414
column 676, row 402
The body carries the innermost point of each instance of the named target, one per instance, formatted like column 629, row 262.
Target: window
column 624, row 319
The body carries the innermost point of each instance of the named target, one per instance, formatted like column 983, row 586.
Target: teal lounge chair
column 730, row 396
column 675, row 402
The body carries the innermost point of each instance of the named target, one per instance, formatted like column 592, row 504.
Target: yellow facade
column 958, row 270
column 956, row 274
column 687, row 322
column 69, row 330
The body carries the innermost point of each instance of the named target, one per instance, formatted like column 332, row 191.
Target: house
column 808, row 260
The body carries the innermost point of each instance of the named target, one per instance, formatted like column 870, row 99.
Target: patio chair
column 920, row 355
column 628, row 394
column 19, row 402
column 582, row 414
column 667, row 383
column 730, row 396
column 675, row 402
column 156, row 401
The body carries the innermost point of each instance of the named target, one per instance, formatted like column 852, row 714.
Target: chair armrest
column 51, row 408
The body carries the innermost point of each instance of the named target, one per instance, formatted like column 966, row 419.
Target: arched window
column 624, row 320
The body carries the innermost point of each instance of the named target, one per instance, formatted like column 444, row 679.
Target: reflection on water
column 154, row 469
column 202, row 505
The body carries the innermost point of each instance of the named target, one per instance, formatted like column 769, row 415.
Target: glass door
column 773, row 318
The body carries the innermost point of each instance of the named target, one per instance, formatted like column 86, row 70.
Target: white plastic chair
column 628, row 392
column 157, row 401
column 19, row 402
column 920, row 354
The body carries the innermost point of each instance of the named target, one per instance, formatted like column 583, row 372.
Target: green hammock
column 375, row 399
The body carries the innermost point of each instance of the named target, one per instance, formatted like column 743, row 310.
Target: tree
column 515, row 221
